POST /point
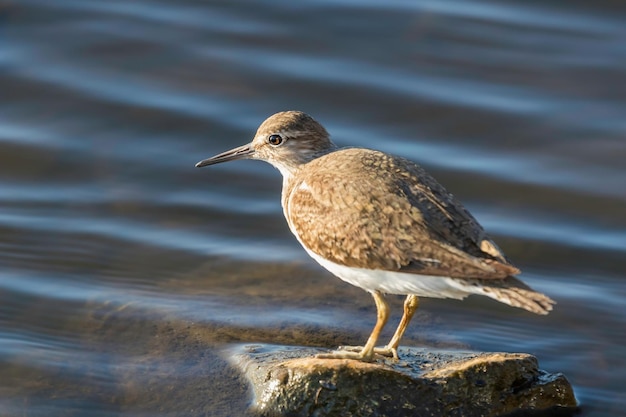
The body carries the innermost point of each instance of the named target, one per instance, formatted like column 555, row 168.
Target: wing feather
column 403, row 222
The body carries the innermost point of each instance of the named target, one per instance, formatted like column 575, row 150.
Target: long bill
column 241, row 152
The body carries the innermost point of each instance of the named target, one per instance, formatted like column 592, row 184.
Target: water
column 125, row 272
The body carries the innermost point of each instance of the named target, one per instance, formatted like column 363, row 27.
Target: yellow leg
column 382, row 309
column 367, row 352
column 410, row 307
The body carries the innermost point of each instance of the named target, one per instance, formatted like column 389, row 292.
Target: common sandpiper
column 382, row 223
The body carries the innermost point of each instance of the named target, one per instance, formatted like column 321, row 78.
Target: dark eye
column 275, row 140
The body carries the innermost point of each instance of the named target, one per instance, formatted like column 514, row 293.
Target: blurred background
column 127, row 275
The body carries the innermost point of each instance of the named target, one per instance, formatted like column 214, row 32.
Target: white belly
column 390, row 282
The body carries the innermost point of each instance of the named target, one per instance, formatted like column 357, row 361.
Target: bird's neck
column 289, row 167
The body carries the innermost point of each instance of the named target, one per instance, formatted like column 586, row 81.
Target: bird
column 382, row 223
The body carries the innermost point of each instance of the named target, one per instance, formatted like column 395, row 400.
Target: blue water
column 125, row 271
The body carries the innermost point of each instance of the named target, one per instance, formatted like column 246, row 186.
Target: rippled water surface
column 125, row 272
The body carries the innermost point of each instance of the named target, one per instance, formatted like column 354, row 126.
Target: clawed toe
column 387, row 352
column 359, row 353
column 342, row 354
column 350, row 348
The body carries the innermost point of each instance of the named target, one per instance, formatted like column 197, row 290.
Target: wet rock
column 290, row 381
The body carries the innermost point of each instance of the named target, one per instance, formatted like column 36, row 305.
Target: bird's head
column 286, row 140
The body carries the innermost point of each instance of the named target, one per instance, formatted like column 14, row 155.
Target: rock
column 290, row 381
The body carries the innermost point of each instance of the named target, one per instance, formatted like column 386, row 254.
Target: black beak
column 242, row 152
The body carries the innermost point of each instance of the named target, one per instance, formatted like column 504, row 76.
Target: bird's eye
column 275, row 140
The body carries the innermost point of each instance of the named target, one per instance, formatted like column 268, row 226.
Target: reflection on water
column 124, row 271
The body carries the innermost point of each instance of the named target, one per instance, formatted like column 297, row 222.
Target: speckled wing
column 367, row 209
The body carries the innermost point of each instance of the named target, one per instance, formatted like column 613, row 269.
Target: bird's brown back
column 366, row 209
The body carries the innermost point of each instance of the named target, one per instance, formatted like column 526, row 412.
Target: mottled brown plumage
column 390, row 215
column 382, row 223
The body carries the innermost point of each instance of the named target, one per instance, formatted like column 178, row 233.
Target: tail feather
column 533, row 301
column 513, row 292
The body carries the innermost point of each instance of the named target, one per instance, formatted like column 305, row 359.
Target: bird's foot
column 386, row 351
column 358, row 353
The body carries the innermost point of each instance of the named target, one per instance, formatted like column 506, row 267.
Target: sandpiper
column 382, row 223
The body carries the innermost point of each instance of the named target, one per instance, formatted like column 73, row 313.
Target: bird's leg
column 366, row 353
column 410, row 307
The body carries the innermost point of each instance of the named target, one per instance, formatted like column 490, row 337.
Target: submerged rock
column 290, row 381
